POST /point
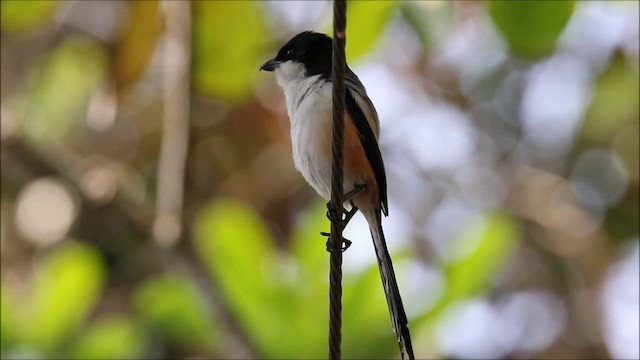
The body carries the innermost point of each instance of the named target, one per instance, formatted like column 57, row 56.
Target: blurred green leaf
column 173, row 305
column 282, row 302
column 531, row 27
column 311, row 286
column 306, row 243
column 6, row 317
column 366, row 22
column 429, row 21
column 59, row 92
column 227, row 41
column 493, row 238
column 238, row 251
column 110, row 338
column 612, row 121
column 615, row 102
column 19, row 16
column 66, row 286
column 136, row 43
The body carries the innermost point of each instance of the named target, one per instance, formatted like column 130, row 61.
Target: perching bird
column 303, row 70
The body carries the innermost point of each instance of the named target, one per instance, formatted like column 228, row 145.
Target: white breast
column 309, row 108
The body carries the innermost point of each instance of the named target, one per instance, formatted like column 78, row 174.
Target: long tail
column 391, row 291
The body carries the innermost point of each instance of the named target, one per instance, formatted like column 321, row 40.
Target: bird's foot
column 345, row 243
column 341, row 218
column 332, row 215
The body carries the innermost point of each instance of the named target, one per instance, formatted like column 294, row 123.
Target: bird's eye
column 289, row 52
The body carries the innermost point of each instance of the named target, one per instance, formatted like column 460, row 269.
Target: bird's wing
column 356, row 100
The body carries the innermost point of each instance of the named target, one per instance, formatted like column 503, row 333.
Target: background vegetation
column 150, row 208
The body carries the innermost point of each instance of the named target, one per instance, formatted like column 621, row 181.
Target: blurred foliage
column 253, row 279
column 249, row 278
column 7, row 309
column 426, row 22
column 173, row 306
column 370, row 18
column 611, row 121
column 531, row 27
column 136, row 43
column 115, row 337
column 224, row 66
column 17, row 16
column 273, row 293
column 615, row 103
column 485, row 245
column 77, row 65
column 66, row 285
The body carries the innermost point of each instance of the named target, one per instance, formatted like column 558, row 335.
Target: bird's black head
column 309, row 48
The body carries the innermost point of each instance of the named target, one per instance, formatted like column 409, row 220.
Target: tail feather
column 391, row 291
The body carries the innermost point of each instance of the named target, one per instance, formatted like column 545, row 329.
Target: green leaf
column 136, row 43
column 281, row 302
column 238, row 251
column 366, row 20
column 531, row 27
column 58, row 94
column 489, row 241
column 429, row 23
column 19, row 16
column 173, row 305
column 307, row 246
column 228, row 37
column 7, row 308
column 110, row 338
column 65, row 288
column 615, row 101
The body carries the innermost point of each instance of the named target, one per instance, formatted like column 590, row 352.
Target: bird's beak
column 270, row 65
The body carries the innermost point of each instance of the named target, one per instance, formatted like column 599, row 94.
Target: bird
column 302, row 69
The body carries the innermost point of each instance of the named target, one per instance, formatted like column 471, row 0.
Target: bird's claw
column 341, row 218
column 345, row 218
column 345, row 242
column 348, row 214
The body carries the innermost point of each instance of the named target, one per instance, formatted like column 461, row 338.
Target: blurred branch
column 167, row 227
column 28, row 161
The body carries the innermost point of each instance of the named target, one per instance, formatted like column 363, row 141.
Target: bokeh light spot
column 45, row 211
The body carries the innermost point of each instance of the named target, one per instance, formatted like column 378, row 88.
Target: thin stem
column 167, row 227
